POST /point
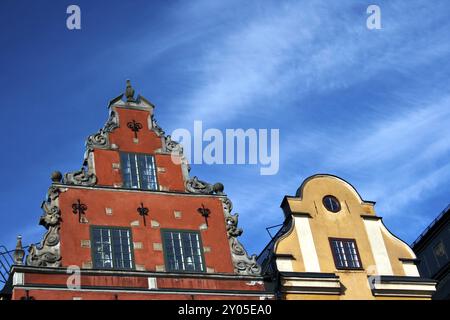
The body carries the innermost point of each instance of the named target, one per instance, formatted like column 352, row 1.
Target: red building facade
column 132, row 224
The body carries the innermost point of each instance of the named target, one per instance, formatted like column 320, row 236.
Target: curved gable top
column 349, row 186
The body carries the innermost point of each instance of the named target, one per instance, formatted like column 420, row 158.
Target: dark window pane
column 147, row 171
column 111, row 248
column 138, row 171
column 345, row 254
column 182, row 250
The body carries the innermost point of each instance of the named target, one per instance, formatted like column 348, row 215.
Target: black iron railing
column 6, row 262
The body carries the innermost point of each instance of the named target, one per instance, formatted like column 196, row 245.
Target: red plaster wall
column 123, row 136
column 106, row 175
column 69, row 295
column 207, row 284
column 141, row 282
column 173, row 177
column 161, row 208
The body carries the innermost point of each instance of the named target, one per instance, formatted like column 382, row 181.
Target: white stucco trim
column 379, row 251
column 399, row 289
column 18, row 279
column 284, row 264
column 410, row 269
column 306, row 242
column 307, row 285
column 397, row 286
column 152, row 283
column 91, row 161
column 311, row 283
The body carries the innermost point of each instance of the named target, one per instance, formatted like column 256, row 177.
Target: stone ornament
column 172, row 146
column 100, row 139
column 19, row 253
column 80, row 178
column 48, row 254
column 194, row 185
column 243, row 263
column 158, row 130
column 129, row 92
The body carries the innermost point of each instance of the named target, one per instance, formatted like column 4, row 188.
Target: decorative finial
column 129, row 92
column 19, row 253
column 56, row 176
column 218, row 188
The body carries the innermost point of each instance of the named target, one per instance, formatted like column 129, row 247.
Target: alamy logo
column 73, row 21
column 74, row 280
column 374, row 20
column 237, row 146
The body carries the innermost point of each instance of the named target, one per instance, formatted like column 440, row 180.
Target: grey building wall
column 433, row 251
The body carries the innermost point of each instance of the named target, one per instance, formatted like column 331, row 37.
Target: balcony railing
column 6, row 262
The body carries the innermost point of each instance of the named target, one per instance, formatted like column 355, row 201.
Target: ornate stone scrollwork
column 98, row 140
column 194, row 185
column 243, row 263
column 80, row 178
column 159, row 131
column 101, row 138
column 172, row 146
column 48, row 254
column 112, row 123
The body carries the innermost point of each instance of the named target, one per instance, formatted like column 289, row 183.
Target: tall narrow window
column 111, row 248
column 345, row 254
column 138, row 171
column 183, row 251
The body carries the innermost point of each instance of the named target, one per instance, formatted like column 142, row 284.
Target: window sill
column 360, row 270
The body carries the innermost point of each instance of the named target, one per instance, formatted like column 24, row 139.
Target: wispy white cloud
column 422, row 132
column 405, row 155
column 301, row 47
column 270, row 64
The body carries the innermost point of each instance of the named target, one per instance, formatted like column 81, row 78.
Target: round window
column 331, row 203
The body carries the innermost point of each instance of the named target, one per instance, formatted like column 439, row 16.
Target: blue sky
column 371, row 106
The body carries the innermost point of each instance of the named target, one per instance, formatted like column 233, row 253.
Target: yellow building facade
column 332, row 245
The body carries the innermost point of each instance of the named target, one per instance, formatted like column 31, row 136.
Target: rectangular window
column 440, row 253
column 183, row 251
column 345, row 254
column 138, row 171
column 111, row 248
